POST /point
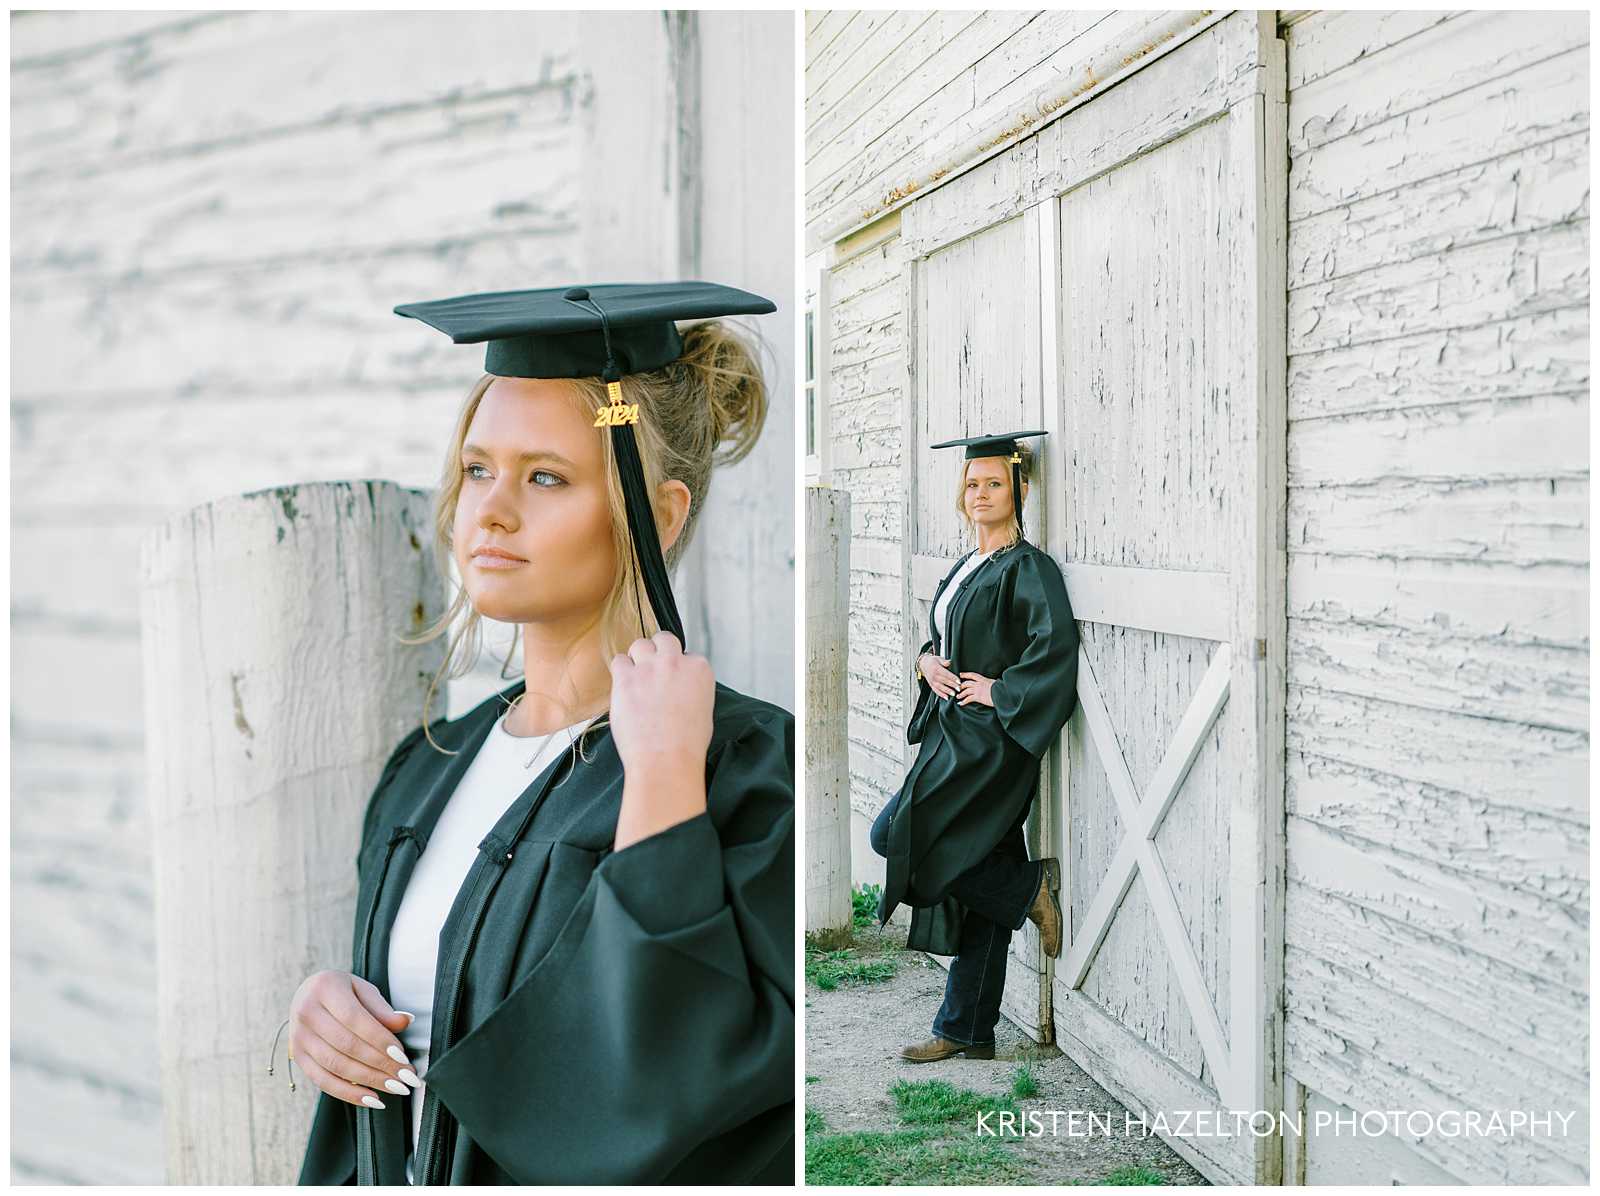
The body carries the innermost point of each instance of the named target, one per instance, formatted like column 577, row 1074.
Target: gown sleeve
column 663, row 1015
column 918, row 724
column 919, row 713
column 1036, row 696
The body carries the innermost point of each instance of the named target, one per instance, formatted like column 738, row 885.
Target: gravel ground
column 853, row 1037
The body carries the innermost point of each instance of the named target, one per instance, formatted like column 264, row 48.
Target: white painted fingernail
column 396, row 1087
column 403, row 1013
column 410, row 1077
column 399, row 1056
column 372, row 1102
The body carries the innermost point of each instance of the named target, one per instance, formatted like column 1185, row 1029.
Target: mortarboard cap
column 603, row 331
column 1002, row 445
column 577, row 332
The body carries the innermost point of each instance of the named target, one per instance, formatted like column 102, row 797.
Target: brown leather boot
column 1045, row 912
column 942, row 1048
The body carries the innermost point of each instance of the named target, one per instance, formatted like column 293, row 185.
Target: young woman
column 575, row 921
column 996, row 683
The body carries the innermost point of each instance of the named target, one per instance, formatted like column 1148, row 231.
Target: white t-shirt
column 941, row 611
column 496, row 777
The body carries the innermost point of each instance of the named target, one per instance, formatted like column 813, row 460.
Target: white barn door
column 1139, row 238
column 975, row 307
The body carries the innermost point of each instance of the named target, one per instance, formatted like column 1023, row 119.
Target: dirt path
column 853, row 1036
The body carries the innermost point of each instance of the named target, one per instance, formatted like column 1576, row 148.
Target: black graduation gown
column 978, row 766
column 599, row 1016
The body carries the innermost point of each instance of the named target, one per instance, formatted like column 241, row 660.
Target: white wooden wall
column 866, row 331
column 891, row 98
column 1438, row 817
column 744, row 205
column 1437, row 756
column 896, row 100
column 212, row 215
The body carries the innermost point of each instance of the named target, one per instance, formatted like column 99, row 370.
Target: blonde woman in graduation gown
column 602, row 943
column 990, row 701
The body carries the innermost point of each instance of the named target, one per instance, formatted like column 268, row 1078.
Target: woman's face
column 987, row 497
column 533, row 486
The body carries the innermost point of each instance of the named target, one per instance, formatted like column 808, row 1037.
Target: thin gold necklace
column 544, row 740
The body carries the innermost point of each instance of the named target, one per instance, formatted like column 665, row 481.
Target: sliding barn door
column 1135, row 245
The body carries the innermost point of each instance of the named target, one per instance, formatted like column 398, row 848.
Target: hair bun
column 730, row 377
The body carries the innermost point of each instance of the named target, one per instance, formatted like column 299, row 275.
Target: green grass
column 934, row 1102
column 855, row 954
column 1129, row 1177
column 864, row 904
column 913, row 1156
column 938, row 1143
column 829, row 969
column 1024, row 1082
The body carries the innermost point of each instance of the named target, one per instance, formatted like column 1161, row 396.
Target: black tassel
column 648, row 560
column 642, row 532
column 1016, row 495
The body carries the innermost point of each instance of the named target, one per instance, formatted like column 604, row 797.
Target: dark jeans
column 996, row 892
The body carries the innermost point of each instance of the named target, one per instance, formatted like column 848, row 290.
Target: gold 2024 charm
column 618, row 412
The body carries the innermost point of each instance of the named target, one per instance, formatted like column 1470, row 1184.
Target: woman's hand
column 938, row 676
column 342, row 1037
column 975, row 687
column 661, row 700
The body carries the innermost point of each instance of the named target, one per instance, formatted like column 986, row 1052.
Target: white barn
column 1303, row 300
column 212, row 215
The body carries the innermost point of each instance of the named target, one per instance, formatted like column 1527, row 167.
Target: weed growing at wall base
column 864, row 905
column 829, row 969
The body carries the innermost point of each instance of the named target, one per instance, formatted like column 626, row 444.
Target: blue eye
column 542, row 478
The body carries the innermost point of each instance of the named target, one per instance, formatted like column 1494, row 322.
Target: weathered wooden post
column 274, row 691
column 827, row 618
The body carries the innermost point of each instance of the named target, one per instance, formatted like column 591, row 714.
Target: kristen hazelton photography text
column 1197, row 777
column 1264, row 1123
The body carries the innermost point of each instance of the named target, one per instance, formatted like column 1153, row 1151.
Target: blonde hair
column 1025, row 467
column 712, row 395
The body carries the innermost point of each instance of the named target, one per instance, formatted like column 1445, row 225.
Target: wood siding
column 1436, row 301
column 894, row 100
column 212, row 215
column 1438, row 826
column 867, row 362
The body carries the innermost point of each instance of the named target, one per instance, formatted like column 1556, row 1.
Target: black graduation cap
column 602, row 331
column 578, row 332
column 1002, row 445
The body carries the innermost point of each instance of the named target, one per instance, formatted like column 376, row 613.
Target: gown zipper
column 366, row 1132
column 432, row 1134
